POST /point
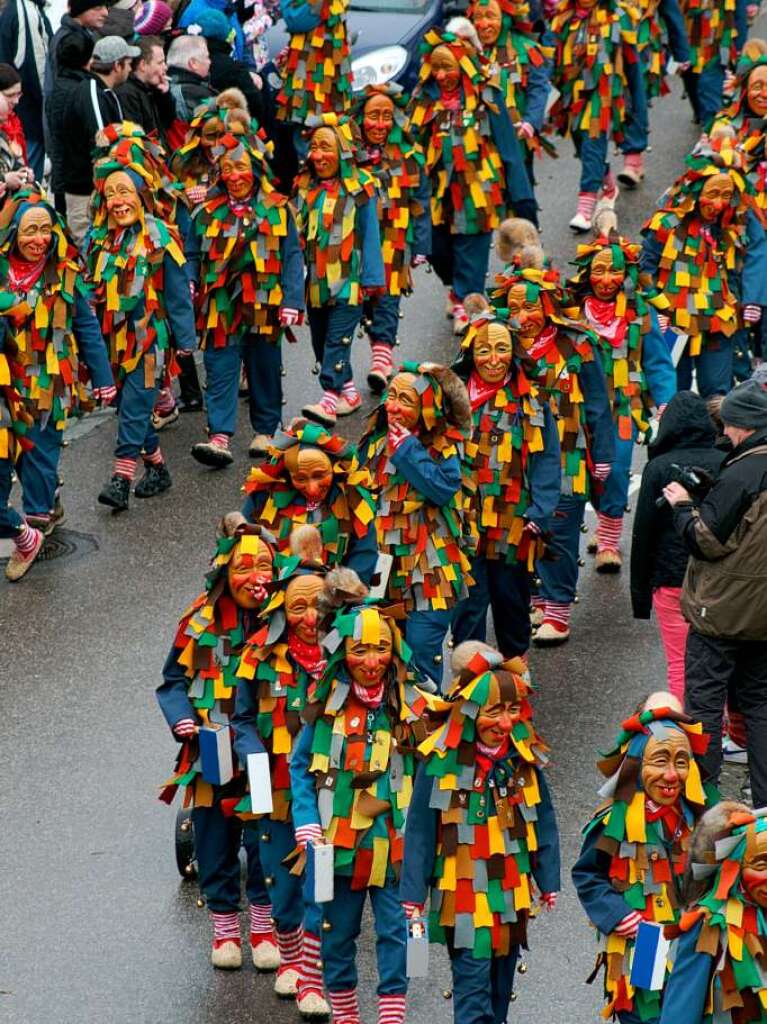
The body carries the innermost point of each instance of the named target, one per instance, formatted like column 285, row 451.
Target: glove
column 628, row 926
column 306, row 834
column 289, row 317
column 533, row 528
column 752, row 314
column 525, row 130
column 185, row 728
column 419, row 260
column 548, row 900
column 105, row 395
column 412, row 910
column 396, row 435
column 602, row 470
column 664, row 322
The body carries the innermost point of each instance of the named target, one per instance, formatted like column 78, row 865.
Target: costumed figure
column 413, row 449
column 313, row 477
column 245, row 258
column 635, row 848
column 717, row 30
column 568, row 372
column 704, row 264
column 137, row 265
column 198, row 691
column 595, row 39
column 352, row 775
column 338, row 221
column 718, row 974
column 512, row 482
column 279, row 665
column 511, row 42
column 404, row 215
column 50, row 344
column 481, row 830
column 473, row 157
column 635, row 358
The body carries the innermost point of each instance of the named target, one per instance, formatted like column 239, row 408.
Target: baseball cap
column 113, row 48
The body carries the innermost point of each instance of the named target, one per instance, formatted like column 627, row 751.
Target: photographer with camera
column 724, row 597
column 686, row 438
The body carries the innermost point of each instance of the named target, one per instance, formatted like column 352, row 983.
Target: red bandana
column 601, row 316
column 480, row 390
column 368, row 696
column 308, row 656
column 23, row 275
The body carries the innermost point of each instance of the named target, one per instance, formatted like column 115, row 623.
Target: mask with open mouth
column 122, row 199
column 35, row 232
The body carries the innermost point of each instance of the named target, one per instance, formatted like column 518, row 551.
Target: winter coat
column 58, row 142
column 658, row 555
column 19, row 21
column 68, row 25
column 119, row 23
column 89, row 107
column 723, row 594
column 147, row 106
column 188, row 91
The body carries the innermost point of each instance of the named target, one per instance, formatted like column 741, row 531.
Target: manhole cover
column 64, row 544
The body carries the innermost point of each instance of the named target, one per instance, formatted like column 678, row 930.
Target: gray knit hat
column 745, row 406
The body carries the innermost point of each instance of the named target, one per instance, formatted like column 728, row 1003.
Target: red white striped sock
column 125, row 468
column 609, row 186
column 26, row 540
column 155, row 458
column 539, row 603
column 329, row 402
column 382, row 357
column 261, row 924
column 311, row 965
column 226, row 927
column 165, row 402
column 608, row 532
column 220, row 440
column 391, row 1009
column 345, row 1007
column 349, row 391
column 290, row 948
column 586, row 203
column 557, row 611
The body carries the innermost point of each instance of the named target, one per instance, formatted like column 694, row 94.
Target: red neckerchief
column 669, row 815
column 23, row 275
column 450, row 100
column 308, row 656
column 487, row 756
column 240, row 207
column 601, row 315
column 481, row 390
column 543, row 342
column 371, row 698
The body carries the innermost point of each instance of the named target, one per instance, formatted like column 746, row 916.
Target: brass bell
column 316, row 369
column 200, row 902
column 326, row 926
column 397, row 341
column 401, row 315
column 513, row 997
column 265, row 837
column 584, row 528
column 338, row 367
column 522, row 967
column 627, row 508
column 284, row 401
column 451, row 644
column 437, row 659
column 447, row 993
column 537, row 581
column 269, row 880
column 320, row 964
column 581, row 562
column 283, row 371
column 186, row 825
column 576, row 599
column 346, row 341
column 189, row 869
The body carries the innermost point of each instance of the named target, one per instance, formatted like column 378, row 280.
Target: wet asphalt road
column 96, row 927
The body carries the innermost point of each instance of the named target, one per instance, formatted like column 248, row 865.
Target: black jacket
column 228, row 73
column 66, row 84
column 659, row 557
column 67, row 26
column 147, row 106
column 88, row 103
column 188, row 91
column 17, row 48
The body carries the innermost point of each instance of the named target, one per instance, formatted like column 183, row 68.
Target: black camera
column 696, row 481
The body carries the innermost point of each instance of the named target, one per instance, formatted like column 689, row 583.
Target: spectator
column 85, row 18
column 188, row 71
column 91, row 105
column 145, row 98
column 725, row 590
column 10, row 124
column 14, row 173
column 225, row 71
column 25, row 34
column 659, row 556
column 154, row 18
column 120, row 21
column 189, row 14
column 74, row 57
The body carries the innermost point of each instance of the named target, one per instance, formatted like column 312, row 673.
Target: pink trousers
column 673, row 634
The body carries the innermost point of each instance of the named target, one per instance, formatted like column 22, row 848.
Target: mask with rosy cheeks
column 33, row 239
column 757, row 91
column 378, row 119
column 301, row 607
column 487, row 20
column 311, row 472
column 665, row 767
column 605, row 280
column 237, row 175
column 715, row 196
column 445, row 69
column 368, row 662
column 122, row 199
column 496, row 720
column 246, row 575
column 754, row 871
column 527, row 312
column 323, row 153
column 403, row 403
column 492, row 352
